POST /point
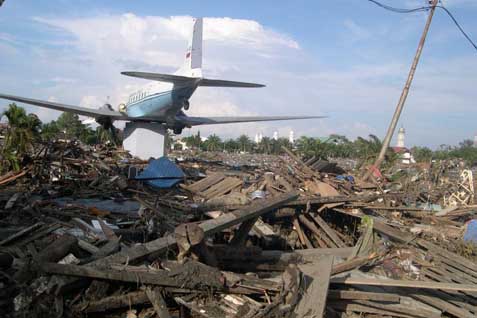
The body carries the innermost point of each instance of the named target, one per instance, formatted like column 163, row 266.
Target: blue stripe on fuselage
column 160, row 103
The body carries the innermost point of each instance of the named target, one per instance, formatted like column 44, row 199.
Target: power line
column 425, row 8
column 399, row 10
column 458, row 26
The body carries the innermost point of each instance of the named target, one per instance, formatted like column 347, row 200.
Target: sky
column 345, row 59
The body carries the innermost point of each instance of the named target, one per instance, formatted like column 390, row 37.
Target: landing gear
column 177, row 131
column 186, row 105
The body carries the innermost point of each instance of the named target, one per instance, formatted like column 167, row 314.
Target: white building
column 275, row 135
column 400, row 138
column 291, row 137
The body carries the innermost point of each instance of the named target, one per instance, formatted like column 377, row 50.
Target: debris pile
column 94, row 233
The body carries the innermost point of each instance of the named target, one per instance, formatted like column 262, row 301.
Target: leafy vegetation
column 27, row 129
column 19, row 139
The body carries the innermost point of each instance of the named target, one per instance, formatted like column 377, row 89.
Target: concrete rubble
column 241, row 235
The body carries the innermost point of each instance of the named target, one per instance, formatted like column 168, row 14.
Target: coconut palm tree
column 265, row 145
column 245, row 143
column 24, row 130
column 213, row 143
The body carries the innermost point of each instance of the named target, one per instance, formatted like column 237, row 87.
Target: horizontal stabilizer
column 169, row 78
column 195, row 121
column 178, row 79
column 221, row 83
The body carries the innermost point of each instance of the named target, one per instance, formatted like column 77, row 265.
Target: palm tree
column 305, row 146
column 245, row 143
column 265, row 145
column 23, row 131
column 213, row 143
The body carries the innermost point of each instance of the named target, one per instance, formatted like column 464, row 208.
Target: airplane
column 163, row 99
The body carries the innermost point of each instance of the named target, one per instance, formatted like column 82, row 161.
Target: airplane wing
column 67, row 108
column 195, row 121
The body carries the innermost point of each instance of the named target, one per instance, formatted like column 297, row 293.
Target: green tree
column 245, row 143
column 49, row 131
column 72, row 127
column 24, row 130
column 422, row 154
column 213, row 143
column 265, row 145
column 231, row 145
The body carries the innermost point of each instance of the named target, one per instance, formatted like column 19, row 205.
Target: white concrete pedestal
column 145, row 140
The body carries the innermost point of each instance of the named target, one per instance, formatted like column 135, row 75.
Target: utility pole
column 402, row 99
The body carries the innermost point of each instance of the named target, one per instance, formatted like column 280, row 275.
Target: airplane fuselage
column 159, row 99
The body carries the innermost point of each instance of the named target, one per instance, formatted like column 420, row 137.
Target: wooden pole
column 402, row 99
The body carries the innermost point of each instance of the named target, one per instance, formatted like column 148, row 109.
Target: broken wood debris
column 287, row 238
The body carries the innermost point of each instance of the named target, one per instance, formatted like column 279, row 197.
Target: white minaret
column 275, row 135
column 260, row 137
column 475, row 140
column 257, row 138
column 291, row 137
column 400, row 138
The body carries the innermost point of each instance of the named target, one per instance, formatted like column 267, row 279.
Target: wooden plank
column 348, row 307
column 113, row 302
column 209, row 227
column 395, row 310
column 442, row 305
column 205, row 183
column 328, row 230
column 317, row 277
column 157, row 301
column 21, row 233
column 305, row 168
column 403, row 284
column 222, row 187
column 350, row 264
column 451, row 256
column 319, row 235
column 361, row 295
column 153, row 277
column 241, row 235
column 305, row 242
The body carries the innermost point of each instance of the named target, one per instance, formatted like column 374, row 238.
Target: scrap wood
column 113, row 302
column 21, row 233
column 352, row 263
column 307, row 169
column 328, row 230
column 155, row 297
column 315, row 292
column 180, row 277
column 305, row 241
column 9, row 178
column 363, row 295
column 322, row 240
column 384, row 310
column 404, row 284
column 209, row 227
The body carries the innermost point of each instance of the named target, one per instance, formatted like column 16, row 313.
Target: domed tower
column 400, row 138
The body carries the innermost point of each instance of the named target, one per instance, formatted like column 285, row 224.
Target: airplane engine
column 107, row 106
column 122, row 108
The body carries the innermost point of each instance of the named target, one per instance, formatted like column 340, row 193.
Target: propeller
column 107, row 123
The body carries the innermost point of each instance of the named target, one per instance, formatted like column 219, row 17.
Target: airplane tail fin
column 192, row 66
